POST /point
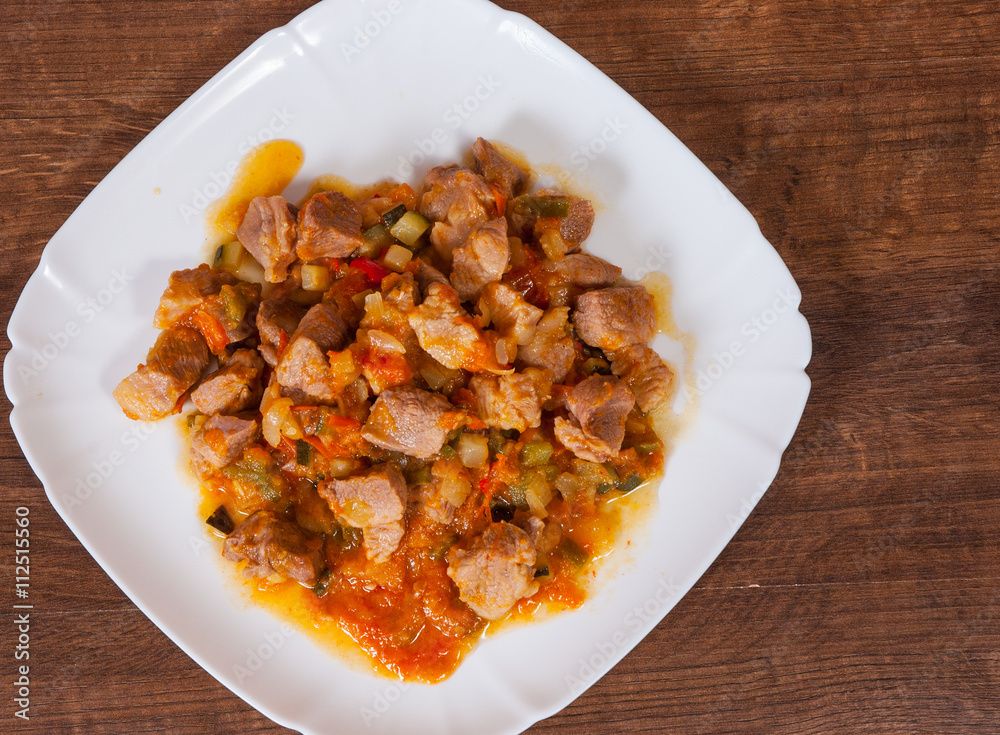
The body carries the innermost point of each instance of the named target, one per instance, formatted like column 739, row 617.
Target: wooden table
column 863, row 593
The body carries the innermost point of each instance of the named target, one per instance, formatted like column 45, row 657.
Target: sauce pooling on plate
column 417, row 414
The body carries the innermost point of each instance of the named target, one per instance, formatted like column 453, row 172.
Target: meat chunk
column 498, row 170
column 645, row 372
column 428, row 274
column 481, row 260
column 496, row 571
column 551, row 347
column 449, row 487
column 513, row 317
column 329, row 227
column 274, row 317
column 612, row 318
column 174, row 363
column 214, row 302
column 585, row 271
column 374, row 502
column 409, row 420
column 220, row 442
column 512, row 401
column 598, row 408
column 268, row 234
column 446, row 332
column 233, row 387
column 560, row 222
column 304, row 364
column 457, row 201
column 272, row 545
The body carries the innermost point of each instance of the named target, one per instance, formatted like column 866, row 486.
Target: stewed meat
column 329, row 227
column 268, row 233
column 510, row 313
column 645, row 372
column 512, row 401
column 496, row 571
column 585, row 271
column 277, row 320
column 445, row 330
column 612, row 318
column 304, row 364
column 272, row 545
column 233, row 387
column 481, row 260
column 173, row 365
column 551, row 347
column 598, row 408
column 220, row 442
column 457, row 201
column 374, row 502
column 409, row 420
column 498, row 170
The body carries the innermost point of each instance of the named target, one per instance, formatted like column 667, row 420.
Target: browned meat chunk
column 375, row 503
column 446, row 332
column 458, row 201
column 231, row 388
column 449, row 487
column 551, row 346
column 598, row 408
column 304, row 365
column 428, row 274
column 512, row 401
column 585, row 271
column 329, row 227
column 272, row 545
column 186, row 291
column 400, row 290
column 220, row 442
column 481, row 260
column 645, row 372
column 496, row 571
column 408, row 420
column 274, row 317
column 557, row 235
column 510, row 313
column 268, row 234
column 497, row 169
column 612, row 318
column 173, row 365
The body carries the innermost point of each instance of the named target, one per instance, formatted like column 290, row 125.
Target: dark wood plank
column 863, row 593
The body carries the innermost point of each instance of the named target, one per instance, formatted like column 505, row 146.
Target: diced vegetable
column 397, row 257
column 553, row 244
column 536, row 453
column 315, row 278
column 437, row 375
column 323, row 584
column 630, row 484
column 377, row 239
column 229, row 256
column 596, row 365
column 605, row 487
column 221, row 521
column 393, row 216
column 500, row 510
column 537, row 491
column 473, row 450
column 542, row 206
column 251, row 271
column 647, row 447
column 572, row 552
column 235, row 304
column 448, row 452
column 278, row 421
column 410, row 227
column 303, row 453
column 212, row 330
column 542, row 572
column 371, row 269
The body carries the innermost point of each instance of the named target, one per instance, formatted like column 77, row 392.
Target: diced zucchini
column 595, row 365
column 448, row 452
column 410, row 227
column 377, row 239
column 542, row 206
column 536, row 453
column 221, row 521
column 251, row 271
column 315, row 278
column 646, row 447
column 630, row 484
column 303, row 453
column 397, row 257
column 573, row 552
column 323, row 585
column 394, row 215
column 229, row 256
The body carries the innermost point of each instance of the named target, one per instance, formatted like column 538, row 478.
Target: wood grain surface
column 863, row 593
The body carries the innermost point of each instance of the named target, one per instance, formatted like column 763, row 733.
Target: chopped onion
column 277, row 413
column 473, row 450
column 374, row 308
column 385, row 342
column 315, row 278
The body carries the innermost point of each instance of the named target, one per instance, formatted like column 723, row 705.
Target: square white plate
column 390, row 88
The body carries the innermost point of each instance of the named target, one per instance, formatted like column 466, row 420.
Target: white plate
column 362, row 87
